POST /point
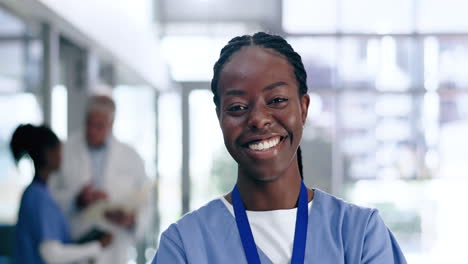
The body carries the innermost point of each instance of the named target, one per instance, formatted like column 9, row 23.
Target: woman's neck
column 42, row 174
column 281, row 193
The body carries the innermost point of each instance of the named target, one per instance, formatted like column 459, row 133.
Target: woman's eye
column 235, row 108
column 278, row 100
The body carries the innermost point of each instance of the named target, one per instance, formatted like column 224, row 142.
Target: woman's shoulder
column 212, row 216
column 338, row 204
column 35, row 191
column 35, row 197
column 201, row 236
column 339, row 211
column 362, row 232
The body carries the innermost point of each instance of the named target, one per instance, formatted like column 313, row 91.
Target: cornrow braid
column 299, row 160
column 268, row 41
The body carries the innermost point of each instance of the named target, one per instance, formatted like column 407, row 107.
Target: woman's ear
column 305, row 100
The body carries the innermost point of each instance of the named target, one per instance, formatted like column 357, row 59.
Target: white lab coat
column 124, row 176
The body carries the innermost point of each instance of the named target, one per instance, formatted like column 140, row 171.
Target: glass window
column 309, row 16
column 191, row 58
column 33, row 67
column 319, row 58
column 169, row 158
column 212, row 170
column 379, row 134
column 135, row 121
column 446, row 62
column 317, row 141
column 453, row 130
column 10, row 24
column 376, row 63
column 442, row 15
column 370, row 16
column 12, row 66
column 357, row 128
column 359, row 62
column 393, row 105
column 10, row 85
column 357, row 110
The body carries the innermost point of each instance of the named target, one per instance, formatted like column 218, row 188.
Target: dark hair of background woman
column 33, row 141
column 265, row 40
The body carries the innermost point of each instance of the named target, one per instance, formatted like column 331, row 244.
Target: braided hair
column 268, row 41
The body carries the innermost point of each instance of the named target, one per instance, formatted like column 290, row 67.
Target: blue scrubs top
column 338, row 232
column 39, row 219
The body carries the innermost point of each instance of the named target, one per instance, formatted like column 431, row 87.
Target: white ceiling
column 264, row 12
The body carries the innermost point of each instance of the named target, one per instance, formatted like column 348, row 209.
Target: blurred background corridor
column 387, row 124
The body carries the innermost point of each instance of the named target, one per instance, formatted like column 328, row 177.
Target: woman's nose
column 259, row 118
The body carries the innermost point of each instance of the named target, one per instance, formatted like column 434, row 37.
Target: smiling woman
column 261, row 102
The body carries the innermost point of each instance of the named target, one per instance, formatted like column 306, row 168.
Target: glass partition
column 212, row 170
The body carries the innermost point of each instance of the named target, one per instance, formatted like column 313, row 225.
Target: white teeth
column 264, row 145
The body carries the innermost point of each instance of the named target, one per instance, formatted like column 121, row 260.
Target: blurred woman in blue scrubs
column 42, row 233
column 260, row 93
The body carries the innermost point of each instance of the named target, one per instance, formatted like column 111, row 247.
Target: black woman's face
column 261, row 112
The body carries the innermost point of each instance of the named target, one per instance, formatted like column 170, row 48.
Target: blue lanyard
column 248, row 243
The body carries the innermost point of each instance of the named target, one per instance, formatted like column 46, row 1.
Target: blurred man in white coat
column 102, row 184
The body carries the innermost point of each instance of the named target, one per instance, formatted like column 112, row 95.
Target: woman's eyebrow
column 274, row 85
column 234, row 92
column 268, row 87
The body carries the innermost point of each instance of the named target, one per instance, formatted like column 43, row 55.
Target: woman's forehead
column 255, row 62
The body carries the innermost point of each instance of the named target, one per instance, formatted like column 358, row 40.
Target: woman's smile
column 264, row 144
column 264, row 148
